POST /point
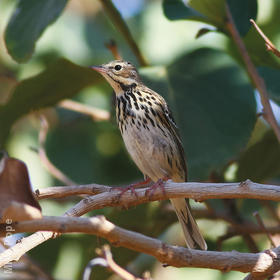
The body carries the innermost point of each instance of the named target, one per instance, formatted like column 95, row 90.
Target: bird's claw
column 126, row 189
column 151, row 190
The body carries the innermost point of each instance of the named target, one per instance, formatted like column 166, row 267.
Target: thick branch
column 109, row 196
column 62, row 192
column 265, row 262
column 197, row 191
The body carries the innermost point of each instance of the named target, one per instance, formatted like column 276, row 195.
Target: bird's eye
column 118, row 67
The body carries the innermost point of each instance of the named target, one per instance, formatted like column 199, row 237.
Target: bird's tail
column 192, row 235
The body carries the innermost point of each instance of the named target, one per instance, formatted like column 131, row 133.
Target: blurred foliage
column 27, row 23
column 60, row 80
column 203, row 80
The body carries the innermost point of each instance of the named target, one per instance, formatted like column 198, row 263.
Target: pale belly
column 148, row 150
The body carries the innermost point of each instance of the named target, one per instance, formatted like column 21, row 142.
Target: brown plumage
column 151, row 137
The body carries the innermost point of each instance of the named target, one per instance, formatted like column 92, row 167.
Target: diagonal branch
column 106, row 254
column 54, row 171
column 96, row 114
column 118, row 21
column 264, row 263
column 253, row 74
column 269, row 45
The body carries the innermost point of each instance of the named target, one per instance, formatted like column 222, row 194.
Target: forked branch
column 265, row 263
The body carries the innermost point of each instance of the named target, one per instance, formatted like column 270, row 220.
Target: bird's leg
column 158, row 184
column 132, row 187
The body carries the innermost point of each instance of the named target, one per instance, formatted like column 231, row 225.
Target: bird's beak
column 99, row 69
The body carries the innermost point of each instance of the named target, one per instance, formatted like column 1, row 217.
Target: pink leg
column 158, row 184
column 132, row 187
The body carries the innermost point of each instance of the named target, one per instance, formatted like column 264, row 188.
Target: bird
column 151, row 137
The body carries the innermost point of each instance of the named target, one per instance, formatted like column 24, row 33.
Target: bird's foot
column 122, row 190
column 131, row 188
column 159, row 184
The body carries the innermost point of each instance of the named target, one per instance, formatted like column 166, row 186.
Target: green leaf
column 272, row 81
column 60, row 80
column 29, row 20
column 242, row 11
column 213, row 12
column 208, row 11
column 210, row 97
column 215, row 108
column 176, row 10
column 261, row 160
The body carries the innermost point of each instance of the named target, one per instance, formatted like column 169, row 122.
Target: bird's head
column 120, row 74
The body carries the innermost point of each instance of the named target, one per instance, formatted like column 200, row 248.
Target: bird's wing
column 167, row 120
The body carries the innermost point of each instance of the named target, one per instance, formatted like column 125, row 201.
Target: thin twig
column 253, row 74
column 235, row 230
column 258, row 263
column 92, row 263
column 268, row 205
column 95, row 113
column 106, row 260
column 112, row 47
column 269, row 45
column 119, row 22
column 252, row 229
column 262, row 226
column 223, row 238
column 44, row 158
column 232, row 210
column 105, row 252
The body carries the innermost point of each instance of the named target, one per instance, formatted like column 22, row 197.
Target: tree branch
column 62, row 192
column 253, row 74
column 113, row 195
column 95, row 113
column 110, row 196
column 269, row 45
column 107, row 256
column 260, row 263
column 53, row 170
column 123, row 28
column 118, row 236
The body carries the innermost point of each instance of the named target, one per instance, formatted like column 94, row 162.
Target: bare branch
column 93, row 189
column 44, row 158
column 105, row 252
column 95, row 113
column 110, row 196
column 66, row 191
column 253, row 74
column 252, row 229
column 112, row 47
column 262, row 226
column 198, row 191
column 257, row 263
column 272, row 211
column 269, row 45
column 120, row 24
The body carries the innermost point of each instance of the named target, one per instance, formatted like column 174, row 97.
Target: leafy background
column 46, row 47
